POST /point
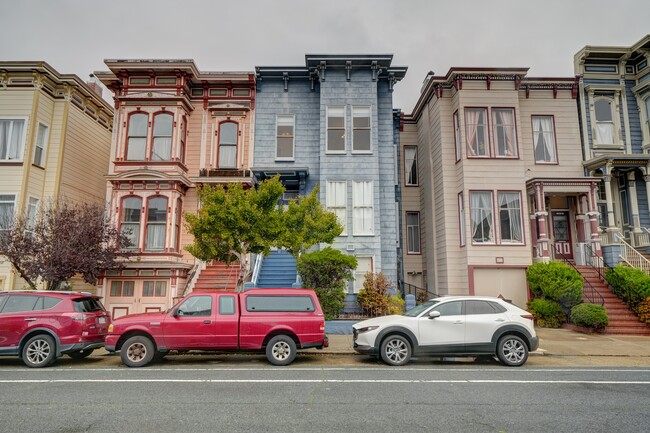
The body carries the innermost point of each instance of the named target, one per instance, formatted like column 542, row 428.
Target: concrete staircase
column 218, row 276
column 278, row 270
column 621, row 319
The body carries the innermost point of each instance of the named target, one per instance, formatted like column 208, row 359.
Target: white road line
column 356, row 381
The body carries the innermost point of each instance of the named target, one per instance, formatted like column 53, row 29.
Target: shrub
column 630, row 284
column 644, row 311
column 589, row 315
column 396, row 304
column 375, row 297
column 547, row 313
column 556, row 281
column 327, row 272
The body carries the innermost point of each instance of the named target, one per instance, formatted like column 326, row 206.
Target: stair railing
column 588, row 290
column 632, row 257
column 193, row 276
column 642, row 239
column 257, row 266
column 595, row 262
column 421, row 295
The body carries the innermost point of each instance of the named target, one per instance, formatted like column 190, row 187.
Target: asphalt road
column 369, row 397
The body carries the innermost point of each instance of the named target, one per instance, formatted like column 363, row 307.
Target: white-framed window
column 510, row 218
column 364, row 264
column 7, row 209
column 40, row 145
column 285, row 127
column 136, row 145
column 482, row 217
column 413, row 232
column 336, row 201
column 161, row 149
column 12, row 139
column 130, row 221
column 647, row 117
column 362, row 208
column 461, row 218
column 457, row 145
column 335, row 130
column 604, row 112
column 227, row 145
column 156, row 224
column 361, row 141
column 476, row 132
column 411, row 165
column 544, row 139
column 32, row 212
column 505, row 134
column 154, row 288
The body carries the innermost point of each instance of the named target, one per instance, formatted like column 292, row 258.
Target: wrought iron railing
column 420, row 294
column 589, row 292
column 595, row 261
column 632, row 257
column 193, row 276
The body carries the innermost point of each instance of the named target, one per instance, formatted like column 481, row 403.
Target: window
column 544, row 139
column 461, row 218
column 7, row 207
column 481, row 217
column 457, row 146
column 166, row 80
column 196, row 306
column 218, row 92
column 285, row 125
column 411, row 165
column 12, row 139
column 362, row 208
column 136, row 144
column 483, row 307
column 156, row 224
column 32, row 212
column 19, row 303
column 279, row 303
column 364, row 265
column 454, row 308
column 361, row 129
column 226, row 305
column 336, row 201
column 227, row 145
column 476, row 132
column 647, row 115
column 41, row 142
column 162, row 137
column 336, row 129
column 122, row 288
column 413, row 232
column 505, row 134
column 177, row 223
column 510, row 217
column 154, row 288
column 241, row 92
column 130, row 225
column 604, row 121
column 87, row 305
column 183, row 139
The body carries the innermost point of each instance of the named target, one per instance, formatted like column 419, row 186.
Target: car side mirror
column 434, row 314
column 175, row 312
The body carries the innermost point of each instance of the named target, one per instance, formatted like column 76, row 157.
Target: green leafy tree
column 236, row 221
column 327, row 272
column 307, row 223
column 376, row 296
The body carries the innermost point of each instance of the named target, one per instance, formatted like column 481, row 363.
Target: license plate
column 101, row 320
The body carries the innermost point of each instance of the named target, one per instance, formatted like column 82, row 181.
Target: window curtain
column 544, row 139
column 227, row 156
column 471, row 116
column 481, row 211
column 507, row 120
column 605, row 132
column 11, row 132
column 4, row 138
column 510, row 209
column 155, row 236
column 162, row 149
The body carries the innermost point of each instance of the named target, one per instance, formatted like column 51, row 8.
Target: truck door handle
column 207, row 322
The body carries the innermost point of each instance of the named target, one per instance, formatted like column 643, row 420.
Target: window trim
column 494, row 233
column 458, row 149
column 419, row 233
column 345, row 203
column 14, row 208
column 153, row 136
column 293, row 137
column 488, row 133
column 369, row 129
column 46, row 139
column 494, row 144
column 128, row 135
column 532, row 127
column 327, row 129
column 370, row 232
column 156, row 223
column 500, row 240
column 406, row 177
column 21, row 141
column 137, row 245
column 236, row 145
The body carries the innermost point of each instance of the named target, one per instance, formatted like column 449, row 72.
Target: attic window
column 601, row 68
column 197, row 92
column 166, row 80
column 241, row 92
column 139, row 80
column 641, row 66
column 218, row 92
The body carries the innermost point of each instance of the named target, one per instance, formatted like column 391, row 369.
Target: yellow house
column 55, row 139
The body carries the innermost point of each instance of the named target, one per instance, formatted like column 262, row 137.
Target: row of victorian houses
column 492, row 170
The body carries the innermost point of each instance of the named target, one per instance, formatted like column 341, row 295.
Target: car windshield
column 420, row 308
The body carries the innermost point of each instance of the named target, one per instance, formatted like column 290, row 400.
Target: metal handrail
column 193, row 276
column 596, row 262
column 257, row 266
column 631, row 256
column 591, row 294
column 420, row 294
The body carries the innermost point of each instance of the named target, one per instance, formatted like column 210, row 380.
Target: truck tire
column 281, row 350
column 137, row 351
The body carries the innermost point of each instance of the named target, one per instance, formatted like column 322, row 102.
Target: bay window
column 510, row 217
column 505, row 135
column 41, row 142
column 156, row 224
column 285, row 125
column 227, row 145
column 7, row 208
column 461, row 218
column 482, row 219
column 130, row 224
column 12, row 139
column 335, row 129
column 457, row 145
column 476, row 132
column 162, row 137
column 136, row 144
column 603, row 110
column 544, row 139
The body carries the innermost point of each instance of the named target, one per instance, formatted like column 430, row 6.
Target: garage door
column 507, row 282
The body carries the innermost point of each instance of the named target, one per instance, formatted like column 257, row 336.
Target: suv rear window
column 279, row 303
column 87, row 305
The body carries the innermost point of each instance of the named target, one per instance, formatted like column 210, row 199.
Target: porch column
column 634, row 202
column 646, row 177
column 532, row 220
column 592, row 214
column 542, row 237
column 611, row 224
column 580, row 218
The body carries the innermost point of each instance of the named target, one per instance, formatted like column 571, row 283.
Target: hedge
column 630, row 284
column 547, row 313
column 589, row 315
column 556, row 281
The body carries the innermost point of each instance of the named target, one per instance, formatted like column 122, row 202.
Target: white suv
column 450, row 326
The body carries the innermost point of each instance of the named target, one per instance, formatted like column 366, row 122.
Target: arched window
column 161, row 149
column 137, row 140
column 156, row 224
column 227, row 145
column 603, row 109
column 130, row 224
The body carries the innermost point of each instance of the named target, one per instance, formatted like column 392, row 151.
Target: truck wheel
column 39, row 351
column 281, row 350
column 512, row 351
column 137, row 351
column 395, row 350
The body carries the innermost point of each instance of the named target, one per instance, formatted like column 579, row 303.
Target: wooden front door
column 562, row 234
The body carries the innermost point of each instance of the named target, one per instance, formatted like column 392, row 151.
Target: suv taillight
column 527, row 316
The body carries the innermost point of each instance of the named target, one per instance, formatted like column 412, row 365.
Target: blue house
column 331, row 123
column 614, row 105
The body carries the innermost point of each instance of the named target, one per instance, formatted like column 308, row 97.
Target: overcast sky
column 75, row 36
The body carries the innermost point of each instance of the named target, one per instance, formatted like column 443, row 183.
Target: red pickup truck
column 276, row 321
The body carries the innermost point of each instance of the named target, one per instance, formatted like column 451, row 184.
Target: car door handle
column 207, row 322
column 31, row 319
column 499, row 320
column 458, row 323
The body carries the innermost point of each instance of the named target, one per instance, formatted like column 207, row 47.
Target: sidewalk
column 553, row 342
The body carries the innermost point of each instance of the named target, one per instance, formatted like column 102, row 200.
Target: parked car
column 450, row 326
column 40, row 326
column 277, row 322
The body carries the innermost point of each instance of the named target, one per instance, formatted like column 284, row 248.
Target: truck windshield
column 420, row 308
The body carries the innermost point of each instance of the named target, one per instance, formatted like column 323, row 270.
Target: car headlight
column 366, row 329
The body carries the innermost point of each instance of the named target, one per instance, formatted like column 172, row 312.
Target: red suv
column 40, row 326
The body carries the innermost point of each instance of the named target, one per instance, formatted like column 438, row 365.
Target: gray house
column 330, row 123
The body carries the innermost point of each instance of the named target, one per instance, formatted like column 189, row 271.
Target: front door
column 562, row 234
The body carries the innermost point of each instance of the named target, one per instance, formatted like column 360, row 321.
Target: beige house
column 493, row 181
column 55, row 135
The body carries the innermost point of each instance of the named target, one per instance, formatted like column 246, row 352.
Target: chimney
column 94, row 86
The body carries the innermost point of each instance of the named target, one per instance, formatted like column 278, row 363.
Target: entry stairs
column 278, row 270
